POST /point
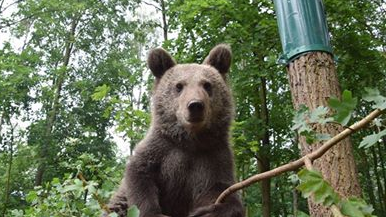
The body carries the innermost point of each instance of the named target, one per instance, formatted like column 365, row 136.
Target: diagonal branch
column 300, row 162
column 6, row 7
column 151, row 4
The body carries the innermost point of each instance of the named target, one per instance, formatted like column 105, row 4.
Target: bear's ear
column 159, row 61
column 220, row 57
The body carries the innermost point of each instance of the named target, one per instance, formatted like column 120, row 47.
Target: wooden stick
column 300, row 162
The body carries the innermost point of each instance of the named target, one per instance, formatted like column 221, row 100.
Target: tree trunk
column 283, row 202
column 382, row 168
column 51, row 115
column 382, row 149
column 369, row 183
column 165, row 26
column 9, row 180
column 265, row 187
column 377, row 178
column 295, row 197
column 264, row 161
column 313, row 81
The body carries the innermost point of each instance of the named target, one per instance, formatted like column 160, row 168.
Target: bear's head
column 190, row 100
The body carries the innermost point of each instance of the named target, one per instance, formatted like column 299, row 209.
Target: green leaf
column 305, row 174
column 55, row 181
column 344, row 108
column 294, row 179
column 322, row 137
column 378, row 122
column 100, row 92
column 354, row 207
column 318, row 115
column 301, row 214
column 77, row 186
column 17, row 213
column 310, row 136
column 32, row 197
column 362, row 205
column 312, row 183
column 133, row 211
column 320, row 194
column 373, row 95
column 350, row 210
column 299, row 120
column 309, row 187
column 370, row 140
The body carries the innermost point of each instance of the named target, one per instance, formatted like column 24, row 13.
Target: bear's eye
column 179, row 87
column 208, row 87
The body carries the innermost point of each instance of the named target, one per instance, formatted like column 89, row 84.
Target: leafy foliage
column 356, row 207
column 304, row 119
column 73, row 196
column 370, row 140
column 313, row 184
column 344, row 108
column 373, row 95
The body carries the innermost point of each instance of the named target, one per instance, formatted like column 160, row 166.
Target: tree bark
column 313, row 81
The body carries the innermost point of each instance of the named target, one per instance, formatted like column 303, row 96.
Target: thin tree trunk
column 1, row 6
column 377, row 178
column 295, row 199
column 8, row 182
column 243, row 191
column 1, row 122
column 369, row 183
column 313, row 81
column 165, row 26
column 264, row 161
column 382, row 165
column 265, row 186
column 85, row 196
column 51, row 115
column 283, row 205
column 382, row 149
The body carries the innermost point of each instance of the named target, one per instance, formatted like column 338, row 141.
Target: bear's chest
column 183, row 177
column 180, row 168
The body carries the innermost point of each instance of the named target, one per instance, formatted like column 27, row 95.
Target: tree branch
column 155, row 6
column 300, row 162
column 6, row 7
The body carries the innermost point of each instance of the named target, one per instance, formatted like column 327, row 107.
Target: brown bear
column 184, row 162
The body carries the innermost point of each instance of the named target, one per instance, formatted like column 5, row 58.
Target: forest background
column 75, row 94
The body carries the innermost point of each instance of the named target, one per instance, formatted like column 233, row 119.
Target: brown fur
column 184, row 162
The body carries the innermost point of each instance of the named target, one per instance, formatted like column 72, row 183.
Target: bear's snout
column 196, row 110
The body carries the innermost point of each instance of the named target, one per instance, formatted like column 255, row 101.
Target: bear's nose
column 196, row 106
